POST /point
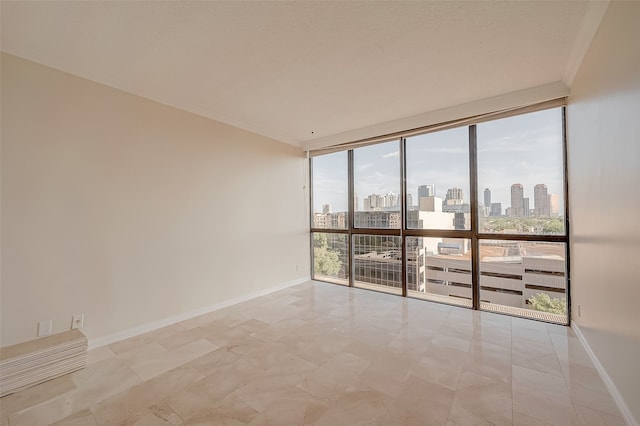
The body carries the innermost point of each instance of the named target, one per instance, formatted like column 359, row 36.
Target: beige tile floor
column 322, row 354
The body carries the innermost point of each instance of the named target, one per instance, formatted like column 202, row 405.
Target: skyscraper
column 453, row 195
column 426, row 191
column 541, row 201
column 553, row 205
column 517, row 200
column 409, row 200
column 487, row 197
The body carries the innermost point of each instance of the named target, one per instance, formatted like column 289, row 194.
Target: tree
column 542, row 302
column 325, row 261
column 554, row 226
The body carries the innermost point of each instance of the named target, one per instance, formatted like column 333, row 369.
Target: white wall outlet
column 44, row 328
column 77, row 321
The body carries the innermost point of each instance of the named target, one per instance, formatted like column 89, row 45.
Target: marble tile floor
column 322, row 354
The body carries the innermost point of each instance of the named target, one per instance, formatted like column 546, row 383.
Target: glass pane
column 439, row 269
column 330, row 258
column 521, row 174
column 377, row 262
column 330, row 191
column 377, row 185
column 438, row 180
column 521, row 278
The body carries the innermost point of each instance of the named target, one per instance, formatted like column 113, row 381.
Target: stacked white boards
column 30, row 363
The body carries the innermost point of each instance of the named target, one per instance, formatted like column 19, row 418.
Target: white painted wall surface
column 604, row 182
column 131, row 212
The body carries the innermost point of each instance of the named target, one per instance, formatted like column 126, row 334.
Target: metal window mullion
column 311, row 223
column 351, row 216
column 523, row 237
column 566, row 213
column 475, row 245
column 403, row 214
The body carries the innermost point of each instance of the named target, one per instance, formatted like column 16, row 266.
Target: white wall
column 604, row 181
column 130, row 212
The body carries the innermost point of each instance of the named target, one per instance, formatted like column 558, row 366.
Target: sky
column 525, row 149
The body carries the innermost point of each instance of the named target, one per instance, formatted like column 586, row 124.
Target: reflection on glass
column 330, row 191
column 438, row 180
column 377, row 262
column 521, row 174
column 377, row 185
column 330, row 254
column 523, row 278
column 439, row 269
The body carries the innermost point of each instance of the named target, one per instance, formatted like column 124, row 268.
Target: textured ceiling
column 298, row 71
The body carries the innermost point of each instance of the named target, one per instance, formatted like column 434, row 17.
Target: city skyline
column 523, row 149
column 533, row 205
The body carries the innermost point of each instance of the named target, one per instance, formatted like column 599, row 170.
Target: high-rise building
column 540, row 201
column 455, row 195
column 430, row 204
column 409, row 200
column 553, row 204
column 392, row 200
column 496, row 209
column 525, row 207
column 487, row 197
column 375, row 202
column 517, row 200
column 326, row 208
column 426, row 191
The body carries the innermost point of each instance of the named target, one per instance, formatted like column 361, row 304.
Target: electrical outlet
column 579, row 311
column 77, row 321
column 44, row 328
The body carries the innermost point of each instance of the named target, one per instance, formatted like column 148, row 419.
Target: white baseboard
column 145, row 328
column 611, row 387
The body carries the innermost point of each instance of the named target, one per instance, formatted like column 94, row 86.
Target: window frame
column 471, row 234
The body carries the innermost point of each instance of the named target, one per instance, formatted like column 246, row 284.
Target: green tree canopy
column 544, row 303
column 325, row 261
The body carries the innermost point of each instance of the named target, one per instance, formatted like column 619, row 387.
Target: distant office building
column 553, row 205
column 525, row 207
column 375, row 202
column 461, row 221
column 496, row 209
column 454, row 196
column 330, row 220
column 430, row 204
column 319, row 220
column 409, row 200
column 517, row 200
column 326, row 208
column 377, row 219
column 426, row 191
column 392, row 200
column 487, row 197
column 541, row 201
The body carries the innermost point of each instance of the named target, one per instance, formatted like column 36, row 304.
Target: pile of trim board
column 30, row 363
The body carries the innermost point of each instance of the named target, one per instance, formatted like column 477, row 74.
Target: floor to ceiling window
column 473, row 215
